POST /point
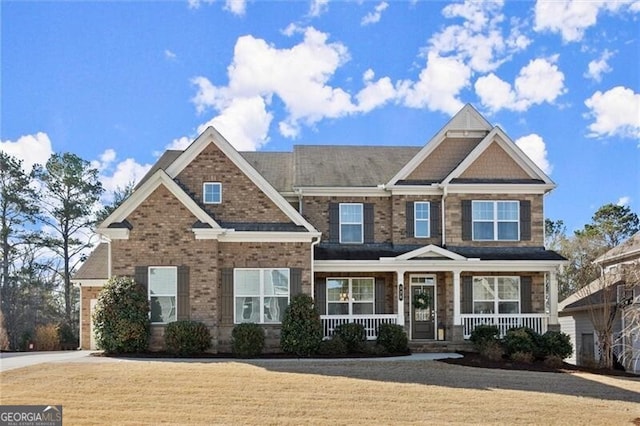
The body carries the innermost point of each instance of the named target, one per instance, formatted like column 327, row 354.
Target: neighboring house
column 224, row 237
column 612, row 292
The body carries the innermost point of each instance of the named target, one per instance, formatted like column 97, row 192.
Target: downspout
column 314, row 242
column 442, row 224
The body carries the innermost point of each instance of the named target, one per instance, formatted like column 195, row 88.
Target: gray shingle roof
column 95, row 267
column 275, row 167
column 630, row 249
column 163, row 162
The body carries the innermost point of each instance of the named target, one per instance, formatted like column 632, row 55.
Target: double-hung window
column 496, row 295
column 212, row 193
column 421, row 218
column 496, row 220
column 350, row 296
column 351, row 223
column 163, row 289
column 260, row 295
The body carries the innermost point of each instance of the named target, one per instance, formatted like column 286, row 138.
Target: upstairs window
column 163, row 290
column 422, row 219
column 351, row 223
column 212, row 193
column 496, row 220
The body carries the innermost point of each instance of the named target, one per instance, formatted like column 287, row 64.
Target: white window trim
column 416, row 220
column 361, row 223
column 495, row 220
column 261, row 296
column 204, row 186
column 175, row 295
column 350, row 302
column 496, row 300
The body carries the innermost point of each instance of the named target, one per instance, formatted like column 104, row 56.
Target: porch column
column 402, row 291
column 457, row 320
column 553, row 299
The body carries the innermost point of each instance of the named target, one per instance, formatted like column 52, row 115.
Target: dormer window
column 212, row 193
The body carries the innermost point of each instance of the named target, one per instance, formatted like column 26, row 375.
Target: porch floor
column 425, row 346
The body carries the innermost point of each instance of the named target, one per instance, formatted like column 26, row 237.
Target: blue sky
column 119, row 82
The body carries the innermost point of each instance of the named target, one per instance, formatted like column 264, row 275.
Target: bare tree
column 627, row 344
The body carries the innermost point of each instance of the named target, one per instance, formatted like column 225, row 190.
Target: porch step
column 421, row 346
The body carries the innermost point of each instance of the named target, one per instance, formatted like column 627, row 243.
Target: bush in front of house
column 187, row 338
column 247, row 340
column 519, row 340
column 483, row 335
column 393, row 338
column 121, row 319
column 334, row 346
column 353, row 335
column 47, row 337
column 67, row 336
column 556, row 344
column 301, row 331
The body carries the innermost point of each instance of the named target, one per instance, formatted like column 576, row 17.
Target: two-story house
column 438, row 238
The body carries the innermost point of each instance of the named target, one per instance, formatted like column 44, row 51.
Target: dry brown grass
column 292, row 392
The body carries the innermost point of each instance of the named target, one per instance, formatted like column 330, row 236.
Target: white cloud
column 533, row 145
column 375, row 15
column 318, row 7
column 236, row 7
column 624, row 201
column 117, row 175
column 195, row 4
column 180, row 144
column 438, row 85
column 168, row 54
column 538, row 82
column 597, row 67
column 571, row 18
column 376, row 93
column 31, row 149
column 616, row 113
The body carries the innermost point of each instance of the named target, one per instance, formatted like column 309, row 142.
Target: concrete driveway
column 13, row 360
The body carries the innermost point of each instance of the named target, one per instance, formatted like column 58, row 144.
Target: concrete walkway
column 13, row 360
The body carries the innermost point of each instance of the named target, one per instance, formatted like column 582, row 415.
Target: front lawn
column 107, row 391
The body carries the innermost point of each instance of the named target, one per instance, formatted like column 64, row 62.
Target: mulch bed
column 278, row 355
column 473, row 359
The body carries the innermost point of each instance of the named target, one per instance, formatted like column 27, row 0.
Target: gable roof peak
column 468, row 118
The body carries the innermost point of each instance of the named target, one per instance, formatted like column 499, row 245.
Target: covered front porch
column 436, row 295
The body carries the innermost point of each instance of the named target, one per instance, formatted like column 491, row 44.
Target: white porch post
column 457, row 320
column 405, row 292
column 553, row 297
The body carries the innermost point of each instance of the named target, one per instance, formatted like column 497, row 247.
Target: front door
column 423, row 307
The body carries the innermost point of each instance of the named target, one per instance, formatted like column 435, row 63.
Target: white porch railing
column 369, row 322
column 537, row 322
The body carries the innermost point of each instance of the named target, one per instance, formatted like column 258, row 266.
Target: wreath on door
column 421, row 300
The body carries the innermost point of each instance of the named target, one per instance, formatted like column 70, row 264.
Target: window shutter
column 183, row 293
column 467, row 215
column 380, row 296
column 321, row 296
column 410, row 218
column 467, row 295
column 369, row 227
column 142, row 277
column 525, row 220
column 434, row 216
column 295, row 281
column 525, row 295
column 226, row 307
column 334, row 222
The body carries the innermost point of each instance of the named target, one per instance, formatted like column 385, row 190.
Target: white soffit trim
column 268, row 237
column 430, row 249
column 211, row 135
column 433, row 189
column 114, row 233
column 96, row 282
column 499, row 188
column 160, row 177
column 498, row 136
column 467, row 122
column 436, row 265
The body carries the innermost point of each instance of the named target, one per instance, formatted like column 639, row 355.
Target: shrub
column 121, row 318
column 25, row 338
column 186, row 338
column 492, row 350
column 553, row 361
column 556, row 343
column 483, row 335
column 301, row 331
column 393, row 338
column 524, row 357
column 47, row 337
column 67, row 337
column 353, row 335
column 247, row 340
column 519, row 340
column 332, row 347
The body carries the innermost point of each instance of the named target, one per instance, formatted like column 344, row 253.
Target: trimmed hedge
column 301, row 332
column 121, row 320
column 353, row 335
column 393, row 338
column 247, row 340
column 186, row 338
